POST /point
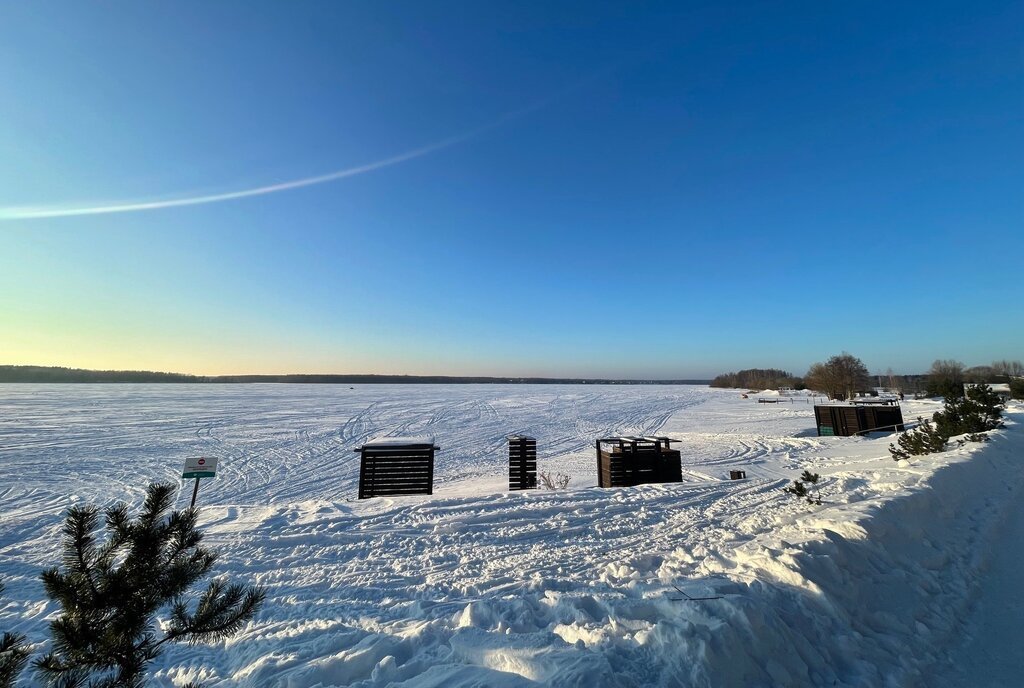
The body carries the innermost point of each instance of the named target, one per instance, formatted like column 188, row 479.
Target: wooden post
column 195, row 491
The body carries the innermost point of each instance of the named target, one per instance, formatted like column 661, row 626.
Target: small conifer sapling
column 799, row 489
column 111, row 593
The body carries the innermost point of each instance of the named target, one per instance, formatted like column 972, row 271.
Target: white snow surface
column 477, row 586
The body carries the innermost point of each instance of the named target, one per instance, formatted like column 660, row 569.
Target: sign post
column 199, row 467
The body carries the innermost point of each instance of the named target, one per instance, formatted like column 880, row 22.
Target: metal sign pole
column 195, row 491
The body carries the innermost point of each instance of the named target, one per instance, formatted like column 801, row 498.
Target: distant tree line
column 37, row 374
column 844, row 375
column 947, row 377
column 758, row 378
column 13, row 373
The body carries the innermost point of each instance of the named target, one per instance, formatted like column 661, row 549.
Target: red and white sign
column 200, row 467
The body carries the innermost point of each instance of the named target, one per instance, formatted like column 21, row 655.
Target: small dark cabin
column 629, row 461
column 857, row 419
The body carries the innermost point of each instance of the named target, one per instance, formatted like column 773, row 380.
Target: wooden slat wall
column 522, row 463
column 884, row 417
column 851, row 420
column 396, row 471
column 647, row 465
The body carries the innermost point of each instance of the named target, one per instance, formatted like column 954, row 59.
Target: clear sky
column 594, row 189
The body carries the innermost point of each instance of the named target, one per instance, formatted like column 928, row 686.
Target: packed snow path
column 476, row 587
column 991, row 650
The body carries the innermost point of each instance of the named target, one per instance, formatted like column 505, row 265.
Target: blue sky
column 655, row 190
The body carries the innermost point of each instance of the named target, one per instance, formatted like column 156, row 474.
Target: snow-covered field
column 476, row 586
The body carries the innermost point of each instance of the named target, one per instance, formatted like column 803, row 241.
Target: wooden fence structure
column 522, row 462
column 790, row 400
column 628, row 461
column 845, row 420
column 393, row 466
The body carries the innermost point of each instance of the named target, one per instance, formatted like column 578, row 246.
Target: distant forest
column 12, row 373
column 772, row 378
column 758, row 379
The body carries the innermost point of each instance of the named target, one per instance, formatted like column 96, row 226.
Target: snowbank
column 870, row 593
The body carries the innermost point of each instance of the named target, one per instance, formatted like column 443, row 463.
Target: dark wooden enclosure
column 396, row 466
column 845, row 420
column 522, row 462
column 628, row 461
column 737, row 475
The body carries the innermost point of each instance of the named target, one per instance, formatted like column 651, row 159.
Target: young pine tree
column 13, row 655
column 799, row 489
column 924, row 439
column 979, row 410
column 111, row 592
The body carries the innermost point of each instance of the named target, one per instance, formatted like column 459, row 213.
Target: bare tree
column 553, row 481
column 1008, row 368
column 839, row 377
column 946, row 378
column 980, row 374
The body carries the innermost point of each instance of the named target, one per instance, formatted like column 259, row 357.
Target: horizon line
column 127, row 371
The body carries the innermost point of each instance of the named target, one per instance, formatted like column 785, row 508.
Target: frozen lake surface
column 281, row 443
column 476, row 586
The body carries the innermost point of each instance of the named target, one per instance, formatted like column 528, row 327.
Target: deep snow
column 479, row 587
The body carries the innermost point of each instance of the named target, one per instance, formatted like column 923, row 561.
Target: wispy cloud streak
column 52, row 211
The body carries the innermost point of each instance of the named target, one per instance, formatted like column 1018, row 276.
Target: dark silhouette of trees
column 1006, row 368
column 839, row 377
column 43, row 374
column 757, row 378
column 946, row 379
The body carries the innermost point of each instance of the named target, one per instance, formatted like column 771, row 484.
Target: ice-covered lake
column 476, row 586
column 279, row 443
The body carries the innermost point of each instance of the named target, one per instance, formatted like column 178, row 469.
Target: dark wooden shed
column 392, row 466
column 857, row 419
column 628, row 461
column 522, row 462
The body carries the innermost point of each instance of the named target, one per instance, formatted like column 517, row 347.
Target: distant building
column 1000, row 388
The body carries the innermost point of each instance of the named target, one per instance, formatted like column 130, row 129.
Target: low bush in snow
column 799, row 489
column 973, row 437
column 553, row 481
column 924, row 439
column 1017, row 387
column 977, row 411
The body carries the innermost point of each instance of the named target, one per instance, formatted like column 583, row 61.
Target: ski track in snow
column 476, row 586
column 293, row 442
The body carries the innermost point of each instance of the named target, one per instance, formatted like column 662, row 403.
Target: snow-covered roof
column 398, row 441
column 997, row 387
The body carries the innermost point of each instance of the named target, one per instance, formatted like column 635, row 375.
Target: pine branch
column 221, row 611
column 80, row 545
column 13, row 657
